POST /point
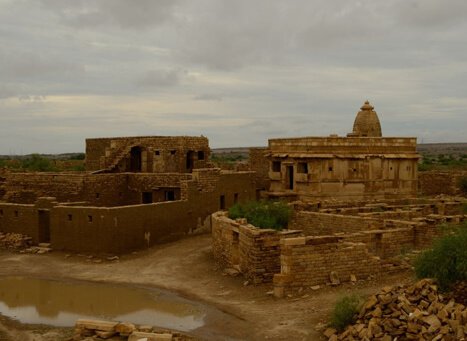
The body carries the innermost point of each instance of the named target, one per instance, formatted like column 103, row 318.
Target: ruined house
column 147, row 154
column 138, row 191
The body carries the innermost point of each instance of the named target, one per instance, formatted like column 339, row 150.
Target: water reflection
column 61, row 303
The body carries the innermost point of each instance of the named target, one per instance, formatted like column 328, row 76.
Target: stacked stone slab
column 109, row 330
column 416, row 312
column 14, row 241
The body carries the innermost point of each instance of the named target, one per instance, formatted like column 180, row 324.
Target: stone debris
column 417, row 312
column 36, row 249
column 459, row 292
column 334, row 278
column 231, row 272
column 14, row 241
column 123, row 331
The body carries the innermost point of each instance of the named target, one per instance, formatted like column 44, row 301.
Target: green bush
column 345, row 311
column 447, row 260
column 463, row 185
column 263, row 214
column 37, row 163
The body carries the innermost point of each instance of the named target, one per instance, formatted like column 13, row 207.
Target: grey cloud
column 431, row 13
column 161, row 78
column 30, row 98
column 257, row 69
column 121, row 13
column 208, row 97
column 6, row 92
column 24, row 66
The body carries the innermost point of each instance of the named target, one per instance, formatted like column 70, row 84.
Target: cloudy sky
column 236, row 71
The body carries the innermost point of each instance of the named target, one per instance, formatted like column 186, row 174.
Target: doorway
column 189, row 160
column 290, row 178
column 135, row 159
column 44, row 226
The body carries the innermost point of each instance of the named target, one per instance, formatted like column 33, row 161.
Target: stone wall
column 255, row 252
column 159, row 154
column 119, row 230
column 30, row 220
column 345, row 244
column 317, row 223
column 25, row 188
column 259, row 163
column 436, row 182
column 84, row 227
column 308, row 261
column 102, row 190
column 19, row 218
column 125, row 228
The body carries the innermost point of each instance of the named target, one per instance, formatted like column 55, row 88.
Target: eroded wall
column 256, row 252
column 308, row 261
column 159, row 154
column 436, row 182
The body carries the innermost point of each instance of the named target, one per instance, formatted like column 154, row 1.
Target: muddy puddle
column 60, row 303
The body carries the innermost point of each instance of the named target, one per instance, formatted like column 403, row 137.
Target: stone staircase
column 115, row 157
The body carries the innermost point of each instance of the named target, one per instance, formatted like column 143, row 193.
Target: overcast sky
column 236, row 71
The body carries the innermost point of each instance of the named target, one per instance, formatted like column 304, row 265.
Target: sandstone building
column 149, row 154
column 362, row 164
column 138, row 191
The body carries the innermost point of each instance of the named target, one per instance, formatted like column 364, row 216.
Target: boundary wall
column 255, row 252
column 121, row 229
column 438, row 182
column 321, row 243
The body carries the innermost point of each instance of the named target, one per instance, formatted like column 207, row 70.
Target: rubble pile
column 417, row 312
column 14, row 241
column 458, row 292
column 92, row 330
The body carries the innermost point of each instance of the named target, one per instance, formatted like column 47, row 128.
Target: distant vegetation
column 43, row 163
column 263, row 214
column 447, row 260
column 443, row 162
column 227, row 160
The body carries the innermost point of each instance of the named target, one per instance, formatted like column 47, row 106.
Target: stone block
column 106, row 326
column 143, row 336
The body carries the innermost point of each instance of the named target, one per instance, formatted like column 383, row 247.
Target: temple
column 363, row 164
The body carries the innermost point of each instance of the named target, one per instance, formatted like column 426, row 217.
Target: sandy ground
column 187, row 267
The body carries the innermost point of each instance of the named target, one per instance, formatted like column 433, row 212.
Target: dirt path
column 188, row 268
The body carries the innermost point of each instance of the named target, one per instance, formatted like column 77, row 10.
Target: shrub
column 263, row 214
column 37, row 163
column 345, row 311
column 447, row 260
column 463, row 185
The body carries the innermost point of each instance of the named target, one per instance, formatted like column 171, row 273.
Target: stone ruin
column 138, row 191
column 328, row 243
